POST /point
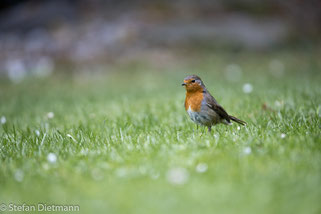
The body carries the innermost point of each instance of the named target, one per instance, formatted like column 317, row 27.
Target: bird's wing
column 212, row 104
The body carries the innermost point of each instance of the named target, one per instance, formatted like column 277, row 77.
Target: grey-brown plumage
column 202, row 107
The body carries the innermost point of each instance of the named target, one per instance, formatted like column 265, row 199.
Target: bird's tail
column 243, row 123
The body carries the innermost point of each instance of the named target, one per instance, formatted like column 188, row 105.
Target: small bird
column 202, row 107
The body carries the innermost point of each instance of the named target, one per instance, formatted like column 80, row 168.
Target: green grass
column 118, row 137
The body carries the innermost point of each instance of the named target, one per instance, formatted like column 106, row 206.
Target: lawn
column 121, row 141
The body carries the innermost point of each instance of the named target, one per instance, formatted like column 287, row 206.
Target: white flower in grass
column 37, row 132
column 18, row 175
column 52, row 158
column 3, row 120
column 201, row 167
column 50, row 115
column 247, row 150
column 71, row 137
column 247, row 88
column 283, row 135
column 177, row 176
column 278, row 103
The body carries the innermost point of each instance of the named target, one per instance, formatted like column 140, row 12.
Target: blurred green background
column 91, row 106
column 38, row 38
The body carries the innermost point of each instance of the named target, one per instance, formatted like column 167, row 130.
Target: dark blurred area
column 38, row 36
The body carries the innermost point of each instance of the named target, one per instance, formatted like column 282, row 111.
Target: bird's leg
column 209, row 129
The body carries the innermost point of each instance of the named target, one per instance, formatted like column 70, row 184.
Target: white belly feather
column 199, row 117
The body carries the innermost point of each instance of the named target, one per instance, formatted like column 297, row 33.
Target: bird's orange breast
column 193, row 100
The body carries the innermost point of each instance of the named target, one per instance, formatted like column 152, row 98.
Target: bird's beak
column 183, row 84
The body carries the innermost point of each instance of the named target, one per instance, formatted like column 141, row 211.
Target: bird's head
column 193, row 83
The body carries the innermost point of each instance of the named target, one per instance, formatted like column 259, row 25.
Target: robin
column 202, row 107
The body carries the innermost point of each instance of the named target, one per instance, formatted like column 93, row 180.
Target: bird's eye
column 193, row 81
